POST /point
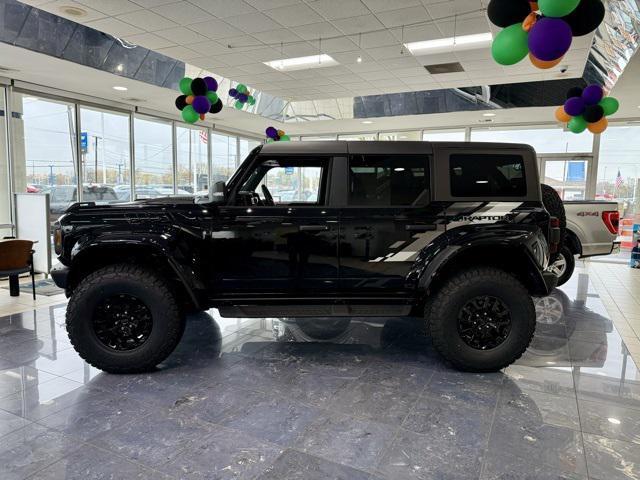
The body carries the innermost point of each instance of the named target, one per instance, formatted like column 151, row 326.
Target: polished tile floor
column 360, row 399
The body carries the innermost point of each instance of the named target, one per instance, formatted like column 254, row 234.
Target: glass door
column 567, row 173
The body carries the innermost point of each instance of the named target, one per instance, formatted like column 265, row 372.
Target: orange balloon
column 599, row 126
column 542, row 63
column 202, row 116
column 534, row 6
column 529, row 21
column 189, row 99
column 561, row 115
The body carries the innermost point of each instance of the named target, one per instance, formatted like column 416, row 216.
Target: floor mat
column 43, row 287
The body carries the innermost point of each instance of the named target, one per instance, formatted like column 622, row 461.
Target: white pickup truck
column 592, row 229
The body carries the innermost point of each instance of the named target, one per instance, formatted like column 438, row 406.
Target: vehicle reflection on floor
column 324, row 398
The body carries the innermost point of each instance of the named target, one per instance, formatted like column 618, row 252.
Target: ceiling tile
column 454, row 7
column 208, row 48
column 183, row 13
column 224, row 8
column 332, row 9
column 269, row 4
column 380, row 53
column 276, row 36
column 151, row 3
column 179, row 52
column 253, row 22
column 114, row 27
column 111, row 7
column 384, row 5
column 235, row 59
column 336, row 45
column 362, row 23
column 351, row 57
column 464, row 27
column 365, row 67
column 149, row 40
column 255, row 67
column 403, row 16
column 436, row 58
column 181, row 35
column 417, row 34
column 317, row 30
column 375, row 39
column 148, row 20
column 55, row 8
column 294, row 15
column 215, row 28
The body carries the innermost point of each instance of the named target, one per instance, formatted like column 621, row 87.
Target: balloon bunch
column 274, row 135
column 543, row 29
column 587, row 108
column 198, row 98
column 242, row 96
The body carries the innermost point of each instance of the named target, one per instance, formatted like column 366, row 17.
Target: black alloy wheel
column 122, row 322
column 484, row 322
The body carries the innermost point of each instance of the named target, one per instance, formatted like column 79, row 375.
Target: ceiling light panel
column 450, row 44
column 302, row 63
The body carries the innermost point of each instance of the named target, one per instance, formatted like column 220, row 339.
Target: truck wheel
column 564, row 265
column 124, row 319
column 481, row 320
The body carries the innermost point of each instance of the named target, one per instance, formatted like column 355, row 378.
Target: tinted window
column 386, row 180
column 487, row 175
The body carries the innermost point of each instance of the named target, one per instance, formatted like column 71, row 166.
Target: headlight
column 57, row 240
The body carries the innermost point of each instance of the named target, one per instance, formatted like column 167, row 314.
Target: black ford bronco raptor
column 455, row 233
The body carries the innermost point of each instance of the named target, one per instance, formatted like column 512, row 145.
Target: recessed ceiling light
column 488, row 114
column 120, row 67
column 359, row 59
column 615, row 421
column 72, row 11
column 440, row 45
column 302, row 63
column 367, row 122
column 120, row 89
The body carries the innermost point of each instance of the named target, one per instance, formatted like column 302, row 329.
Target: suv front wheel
column 481, row 320
column 124, row 319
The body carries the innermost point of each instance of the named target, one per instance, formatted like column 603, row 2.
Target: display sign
column 576, row 171
column 84, row 142
column 288, row 170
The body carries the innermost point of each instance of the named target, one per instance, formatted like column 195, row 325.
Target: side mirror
column 219, row 193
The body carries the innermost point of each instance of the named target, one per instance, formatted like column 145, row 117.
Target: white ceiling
column 199, row 32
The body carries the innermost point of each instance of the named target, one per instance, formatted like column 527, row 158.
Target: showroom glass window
column 5, row 192
column 543, row 140
column 487, row 175
column 105, row 155
column 443, row 135
column 246, row 145
column 388, row 180
column 193, row 164
column 43, row 149
column 154, row 158
column 318, row 138
column 400, row 136
column 358, row 137
column 225, row 157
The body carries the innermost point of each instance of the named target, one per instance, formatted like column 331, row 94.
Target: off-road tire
column 570, row 261
column 553, row 204
column 145, row 285
column 442, row 317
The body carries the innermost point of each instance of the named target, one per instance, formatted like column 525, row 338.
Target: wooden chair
column 16, row 257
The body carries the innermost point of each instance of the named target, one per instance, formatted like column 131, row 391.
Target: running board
column 260, row 311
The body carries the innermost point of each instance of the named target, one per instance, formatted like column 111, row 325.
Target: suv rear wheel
column 124, row 319
column 564, row 265
column 481, row 320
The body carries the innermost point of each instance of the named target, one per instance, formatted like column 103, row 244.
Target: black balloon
column 199, row 87
column 504, row 13
column 216, row 107
column 574, row 92
column 586, row 17
column 181, row 102
column 593, row 113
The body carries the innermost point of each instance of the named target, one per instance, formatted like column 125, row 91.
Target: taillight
column 611, row 219
column 554, row 234
column 57, row 241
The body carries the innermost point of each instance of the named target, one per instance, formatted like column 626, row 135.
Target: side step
column 259, row 311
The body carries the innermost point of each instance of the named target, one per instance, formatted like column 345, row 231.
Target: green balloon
column 577, row 124
column 238, row 105
column 189, row 115
column 213, row 97
column 510, row 45
column 241, row 88
column 185, row 86
column 252, row 100
column 270, row 140
column 610, row 105
column 285, row 138
column 557, row 8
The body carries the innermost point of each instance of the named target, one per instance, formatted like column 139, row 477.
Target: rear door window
column 487, row 175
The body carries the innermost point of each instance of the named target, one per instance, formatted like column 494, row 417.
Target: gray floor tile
column 425, row 457
column 16, row 379
column 294, row 465
column 226, row 454
column 465, row 389
column 346, row 440
column 547, row 380
column 610, row 420
column 501, row 468
column 609, row 459
column 10, row 423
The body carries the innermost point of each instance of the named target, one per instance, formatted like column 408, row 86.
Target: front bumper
column 550, row 281
column 60, row 274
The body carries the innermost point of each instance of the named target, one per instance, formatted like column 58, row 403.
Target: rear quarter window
column 487, row 175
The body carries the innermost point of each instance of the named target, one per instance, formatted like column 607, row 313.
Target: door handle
column 421, row 228
column 313, row 228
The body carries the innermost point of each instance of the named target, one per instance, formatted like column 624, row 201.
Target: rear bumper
column 60, row 274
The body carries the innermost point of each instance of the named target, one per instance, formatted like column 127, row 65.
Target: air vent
column 134, row 100
column 72, row 11
column 7, row 69
column 485, row 120
column 444, row 68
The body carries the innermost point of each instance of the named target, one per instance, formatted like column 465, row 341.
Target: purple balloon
column 201, row 104
column 549, row 38
column 272, row 132
column 243, row 97
column 212, row 84
column 233, row 92
column 592, row 94
column 574, row 106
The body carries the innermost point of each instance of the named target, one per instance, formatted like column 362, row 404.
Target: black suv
column 455, row 233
